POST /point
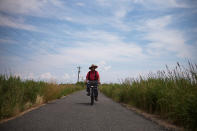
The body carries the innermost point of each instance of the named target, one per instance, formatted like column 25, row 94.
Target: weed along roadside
column 18, row 96
column 170, row 94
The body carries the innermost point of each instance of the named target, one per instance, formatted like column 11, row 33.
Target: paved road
column 74, row 113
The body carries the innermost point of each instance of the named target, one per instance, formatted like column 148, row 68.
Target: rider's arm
column 86, row 80
column 98, row 78
column 87, row 77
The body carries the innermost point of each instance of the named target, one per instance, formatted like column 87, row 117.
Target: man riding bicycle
column 92, row 75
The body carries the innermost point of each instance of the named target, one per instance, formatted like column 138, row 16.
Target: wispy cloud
column 36, row 8
column 80, row 4
column 160, row 4
column 164, row 39
column 21, row 6
column 7, row 41
column 16, row 23
column 103, row 66
column 104, row 46
column 47, row 76
column 100, row 48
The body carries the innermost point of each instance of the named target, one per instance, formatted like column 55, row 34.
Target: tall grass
column 17, row 95
column 172, row 94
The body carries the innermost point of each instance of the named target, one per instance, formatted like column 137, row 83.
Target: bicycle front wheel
column 92, row 100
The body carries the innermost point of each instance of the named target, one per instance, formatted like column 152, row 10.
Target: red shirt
column 91, row 77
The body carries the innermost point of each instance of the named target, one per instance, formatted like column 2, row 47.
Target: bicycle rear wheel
column 92, row 96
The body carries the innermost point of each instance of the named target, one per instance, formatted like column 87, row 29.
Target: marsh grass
column 172, row 94
column 17, row 95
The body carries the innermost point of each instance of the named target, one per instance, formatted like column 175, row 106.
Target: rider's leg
column 96, row 93
column 88, row 89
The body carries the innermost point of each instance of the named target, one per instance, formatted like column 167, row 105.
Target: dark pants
column 95, row 90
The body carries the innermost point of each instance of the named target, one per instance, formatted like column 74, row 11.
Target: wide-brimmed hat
column 93, row 66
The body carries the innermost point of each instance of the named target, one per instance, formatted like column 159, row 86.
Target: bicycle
column 93, row 90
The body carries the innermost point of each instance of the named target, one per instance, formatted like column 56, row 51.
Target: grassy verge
column 172, row 94
column 17, row 95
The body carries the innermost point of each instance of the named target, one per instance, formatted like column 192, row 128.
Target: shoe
column 96, row 98
column 88, row 94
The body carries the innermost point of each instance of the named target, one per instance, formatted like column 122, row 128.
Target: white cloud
column 8, row 41
column 104, row 2
column 67, row 18
column 98, row 46
column 161, row 4
column 96, row 35
column 56, row 9
column 15, row 23
column 89, row 53
column 164, row 39
column 158, row 23
column 21, row 6
column 40, row 8
column 117, row 10
column 47, row 76
column 31, row 76
column 30, row 7
column 80, row 4
column 102, row 51
column 70, row 77
column 57, row 3
column 103, row 66
column 66, row 76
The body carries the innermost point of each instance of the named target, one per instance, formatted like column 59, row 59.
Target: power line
column 78, row 73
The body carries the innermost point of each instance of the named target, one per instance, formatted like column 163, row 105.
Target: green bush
column 172, row 94
column 17, row 95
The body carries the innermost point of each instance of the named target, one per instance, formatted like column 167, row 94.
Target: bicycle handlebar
column 93, row 83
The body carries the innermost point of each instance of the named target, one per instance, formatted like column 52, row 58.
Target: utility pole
column 78, row 73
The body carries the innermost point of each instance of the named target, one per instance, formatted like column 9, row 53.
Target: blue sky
column 48, row 39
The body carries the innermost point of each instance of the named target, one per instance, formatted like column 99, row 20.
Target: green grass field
column 172, row 94
column 17, row 95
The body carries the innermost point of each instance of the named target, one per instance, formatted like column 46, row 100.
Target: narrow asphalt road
column 74, row 113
